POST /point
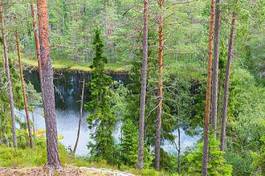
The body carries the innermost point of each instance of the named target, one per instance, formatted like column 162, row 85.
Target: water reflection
column 67, row 123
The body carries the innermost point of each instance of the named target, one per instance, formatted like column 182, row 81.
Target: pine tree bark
column 160, row 85
column 8, row 75
column 48, row 87
column 227, row 80
column 140, row 162
column 215, row 81
column 36, row 38
column 81, row 115
column 208, row 94
column 25, row 98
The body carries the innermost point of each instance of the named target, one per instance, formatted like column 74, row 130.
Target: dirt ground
column 66, row 171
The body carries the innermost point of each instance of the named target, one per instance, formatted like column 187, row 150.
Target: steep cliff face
column 68, row 85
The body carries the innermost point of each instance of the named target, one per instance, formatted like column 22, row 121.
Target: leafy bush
column 217, row 165
column 259, row 159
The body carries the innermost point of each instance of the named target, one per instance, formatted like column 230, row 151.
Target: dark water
column 68, row 85
column 68, row 89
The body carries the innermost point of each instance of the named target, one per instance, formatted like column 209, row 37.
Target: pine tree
column 140, row 162
column 227, row 80
column 36, row 38
column 208, row 93
column 23, row 85
column 8, row 75
column 48, row 87
column 160, row 84
column 215, row 81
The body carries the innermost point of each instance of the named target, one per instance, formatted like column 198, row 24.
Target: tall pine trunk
column 8, row 75
column 24, row 93
column 227, row 80
column 47, row 87
column 208, row 94
column 160, row 85
column 215, row 81
column 36, row 38
column 140, row 162
column 81, row 115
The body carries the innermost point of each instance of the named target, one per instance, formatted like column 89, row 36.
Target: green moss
column 188, row 69
column 73, row 66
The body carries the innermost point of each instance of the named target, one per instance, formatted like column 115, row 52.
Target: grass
column 192, row 68
column 70, row 65
column 188, row 68
column 36, row 157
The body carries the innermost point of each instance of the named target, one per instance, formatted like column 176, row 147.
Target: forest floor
column 66, row 171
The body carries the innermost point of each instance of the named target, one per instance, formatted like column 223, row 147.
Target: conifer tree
column 8, row 75
column 215, row 73
column 129, row 143
column 23, row 85
column 208, row 93
column 227, row 80
column 140, row 162
column 47, row 87
column 101, row 116
column 160, row 84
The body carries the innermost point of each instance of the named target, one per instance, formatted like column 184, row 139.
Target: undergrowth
column 36, row 157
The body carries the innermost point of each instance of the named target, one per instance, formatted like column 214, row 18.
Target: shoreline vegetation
column 32, row 162
column 128, row 80
column 82, row 67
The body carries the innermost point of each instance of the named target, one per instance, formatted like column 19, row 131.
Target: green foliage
column 101, row 116
column 129, row 143
column 9, row 157
column 258, row 159
column 168, row 162
column 241, row 161
column 110, row 104
column 5, row 119
column 182, row 105
column 246, row 121
column 218, row 166
column 5, row 123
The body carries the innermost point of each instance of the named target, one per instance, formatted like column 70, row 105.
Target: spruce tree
column 101, row 117
column 129, row 143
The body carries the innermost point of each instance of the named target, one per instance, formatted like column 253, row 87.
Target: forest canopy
column 166, row 87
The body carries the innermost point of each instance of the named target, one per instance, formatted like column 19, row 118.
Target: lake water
column 67, row 124
column 67, row 95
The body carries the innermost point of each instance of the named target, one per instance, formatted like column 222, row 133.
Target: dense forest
column 129, row 87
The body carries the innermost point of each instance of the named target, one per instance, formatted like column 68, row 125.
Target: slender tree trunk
column 81, row 115
column 215, row 81
column 140, row 162
column 8, row 75
column 208, row 95
column 48, row 87
column 160, row 85
column 179, row 150
column 227, row 80
column 36, row 38
column 33, row 124
column 25, row 98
